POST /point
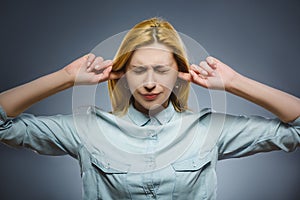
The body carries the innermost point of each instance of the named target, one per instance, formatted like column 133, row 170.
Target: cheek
column 168, row 82
column 134, row 82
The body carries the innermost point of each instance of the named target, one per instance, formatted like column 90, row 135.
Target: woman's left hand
column 211, row 74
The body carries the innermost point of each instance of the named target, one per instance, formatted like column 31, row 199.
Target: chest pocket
column 110, row 183
column 193, row 177
column 193, row 164
column 106, row 168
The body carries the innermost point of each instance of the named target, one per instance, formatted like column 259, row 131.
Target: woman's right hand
column 90, row 69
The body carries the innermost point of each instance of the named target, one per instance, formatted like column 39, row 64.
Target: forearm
column 18, row 99
column 283, row 105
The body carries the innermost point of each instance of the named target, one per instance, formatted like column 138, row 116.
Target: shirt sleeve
column 50, row 135
column 243, row 136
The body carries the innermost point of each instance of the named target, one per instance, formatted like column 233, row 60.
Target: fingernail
column 202, row 63
column 97, row 66
column 210, row 60
column 88, row 64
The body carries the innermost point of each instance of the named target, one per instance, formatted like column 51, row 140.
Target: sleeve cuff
column 296, row 122
column 3, row 116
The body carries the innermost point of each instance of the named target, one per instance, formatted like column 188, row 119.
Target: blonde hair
column 145, row 33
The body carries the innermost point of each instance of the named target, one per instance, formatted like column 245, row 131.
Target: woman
column 151, row 146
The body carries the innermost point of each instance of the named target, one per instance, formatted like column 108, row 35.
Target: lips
column 150, row 96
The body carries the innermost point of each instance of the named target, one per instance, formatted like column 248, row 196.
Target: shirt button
column 152, row 134
column 194, row 164
column 107, row 166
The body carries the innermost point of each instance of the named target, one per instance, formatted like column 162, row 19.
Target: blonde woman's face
column 151, row 76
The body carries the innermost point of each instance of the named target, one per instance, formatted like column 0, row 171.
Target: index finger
column 90, row 58
column 184, row 76
column 115, row 75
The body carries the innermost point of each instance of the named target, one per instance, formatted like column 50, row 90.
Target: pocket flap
column 193, row 164
column 110, row 167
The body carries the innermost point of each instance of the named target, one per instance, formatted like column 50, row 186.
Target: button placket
column 150, row 188
column 149, row 191
column 152, row 132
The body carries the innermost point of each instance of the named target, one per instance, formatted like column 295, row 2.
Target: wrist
column 67, row 77
column 234, row 83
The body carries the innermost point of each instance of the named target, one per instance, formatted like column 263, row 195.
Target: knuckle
column 202, row 63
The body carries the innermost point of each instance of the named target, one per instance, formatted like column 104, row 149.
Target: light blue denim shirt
column 168, row 156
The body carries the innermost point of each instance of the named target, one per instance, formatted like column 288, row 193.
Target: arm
column 85, row 70
column 16, row 100
column 214, row 74
column 283, row 105
column 53, row 135
column 241, row 135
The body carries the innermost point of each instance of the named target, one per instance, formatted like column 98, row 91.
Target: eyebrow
column 153, row 66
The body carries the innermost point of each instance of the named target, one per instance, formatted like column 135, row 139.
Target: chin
column 153, row 106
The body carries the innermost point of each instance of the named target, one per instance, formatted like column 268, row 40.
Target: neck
column 153, row 110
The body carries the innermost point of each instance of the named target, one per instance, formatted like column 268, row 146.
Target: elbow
column 287, row 120
column 10, row 113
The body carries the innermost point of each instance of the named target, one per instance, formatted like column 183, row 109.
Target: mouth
column 150, row 96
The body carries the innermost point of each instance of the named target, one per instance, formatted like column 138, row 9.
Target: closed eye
column 139, row 69
column 161, row 69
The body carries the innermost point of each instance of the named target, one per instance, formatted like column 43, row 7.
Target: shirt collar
column 141, row 119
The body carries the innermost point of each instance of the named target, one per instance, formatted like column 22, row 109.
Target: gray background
column 257, row 38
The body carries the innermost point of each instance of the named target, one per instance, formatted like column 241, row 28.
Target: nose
column 150, row 83
column 149, row 86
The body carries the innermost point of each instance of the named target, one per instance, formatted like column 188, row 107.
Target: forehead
column 152, row 54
